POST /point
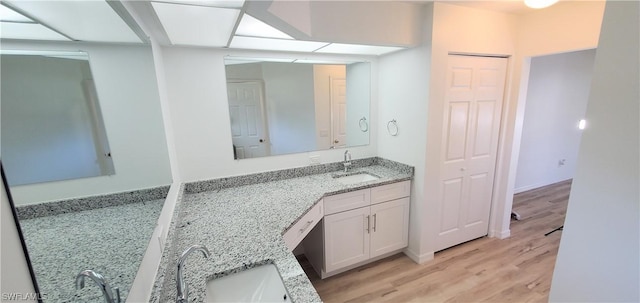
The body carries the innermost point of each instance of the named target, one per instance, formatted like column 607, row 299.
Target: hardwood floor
column 517, row 269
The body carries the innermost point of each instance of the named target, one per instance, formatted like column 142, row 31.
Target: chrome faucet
column 346, row 162
column 183, row 289
column 107, row 291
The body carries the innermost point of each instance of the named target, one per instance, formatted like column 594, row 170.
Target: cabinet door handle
column 374, row 222
column 306, row 226
column 368, row 224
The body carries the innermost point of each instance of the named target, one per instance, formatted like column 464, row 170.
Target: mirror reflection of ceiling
column 336, row 27
column 69, row 21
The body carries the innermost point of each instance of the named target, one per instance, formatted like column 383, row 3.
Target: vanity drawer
column 347, row 201
column 390, row 192
column 298, row 231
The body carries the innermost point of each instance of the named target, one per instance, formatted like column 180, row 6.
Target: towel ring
column 364, row 126
column 392, row 127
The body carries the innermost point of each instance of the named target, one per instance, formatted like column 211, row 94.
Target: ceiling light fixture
column 250, row 26
column 358, row 49
column 212, row 3
column 275, row 44
column 537, row 4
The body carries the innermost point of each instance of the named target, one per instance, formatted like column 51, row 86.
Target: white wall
column 196, row 90
column 47, row 133
column 563, row 27
column 412, row 91
column 358, row 93
column 128, row 92
column 556, row 100
column 289, row 99
column 404, row 91
column 598, row 257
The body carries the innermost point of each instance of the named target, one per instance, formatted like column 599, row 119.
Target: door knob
column 336, row 141
column 462, row 169
column 261, row 140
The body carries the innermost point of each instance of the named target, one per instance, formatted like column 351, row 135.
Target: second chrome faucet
column 347, row 160
column 183, row 289
column 107, row 291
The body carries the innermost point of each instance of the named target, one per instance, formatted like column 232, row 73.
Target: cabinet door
column 346, row 238
column 389, row 226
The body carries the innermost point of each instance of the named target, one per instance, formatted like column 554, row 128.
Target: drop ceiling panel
column 196, row 25
column 80, row 20
column 29, row 31
column 214, row 3
column 339, row 48
column 275, row 44
column 250, row 26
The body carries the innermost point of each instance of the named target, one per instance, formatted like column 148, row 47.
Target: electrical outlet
column 314, row 160
column 561, row 162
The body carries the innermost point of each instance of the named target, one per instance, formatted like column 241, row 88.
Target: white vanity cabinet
column 360, row 227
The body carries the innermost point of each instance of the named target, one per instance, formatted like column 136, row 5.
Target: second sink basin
column 357, row 178
column 259, row 284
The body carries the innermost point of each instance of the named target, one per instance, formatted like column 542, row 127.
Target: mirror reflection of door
column 338, row 112
column 248, row 122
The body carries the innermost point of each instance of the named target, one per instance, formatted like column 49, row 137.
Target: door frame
column 331, row 109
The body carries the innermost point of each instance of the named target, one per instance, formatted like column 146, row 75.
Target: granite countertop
column 242, row 227
column 111, row 241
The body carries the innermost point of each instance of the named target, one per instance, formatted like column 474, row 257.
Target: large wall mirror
column 295, row 106
column 52, row 127
column 85, row 153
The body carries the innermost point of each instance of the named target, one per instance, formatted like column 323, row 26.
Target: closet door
column 473, row 105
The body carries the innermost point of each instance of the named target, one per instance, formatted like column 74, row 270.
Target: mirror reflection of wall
column 280, row 108
column 52, row 127
column 101, row 222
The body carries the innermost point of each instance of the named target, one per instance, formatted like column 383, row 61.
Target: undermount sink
column 356, row 178
column 259, row 284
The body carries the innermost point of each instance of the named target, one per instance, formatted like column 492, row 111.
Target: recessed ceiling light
column 250, row 26
column 196, row 25
column 539, row 3
column 29, row 31
column 339, row 48
column 213, row 3
column 7, row 14
column 275, row 44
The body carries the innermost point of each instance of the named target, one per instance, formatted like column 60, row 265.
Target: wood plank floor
column 518, row 269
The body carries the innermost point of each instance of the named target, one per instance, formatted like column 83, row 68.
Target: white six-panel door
column 339, row 112
column 473, row 105
column 248, row 127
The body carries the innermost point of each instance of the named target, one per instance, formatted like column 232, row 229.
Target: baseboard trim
column 418, row 258
column 503, row 234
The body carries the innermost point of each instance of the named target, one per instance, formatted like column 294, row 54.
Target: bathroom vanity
column 359, row 227
column 254, row 220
